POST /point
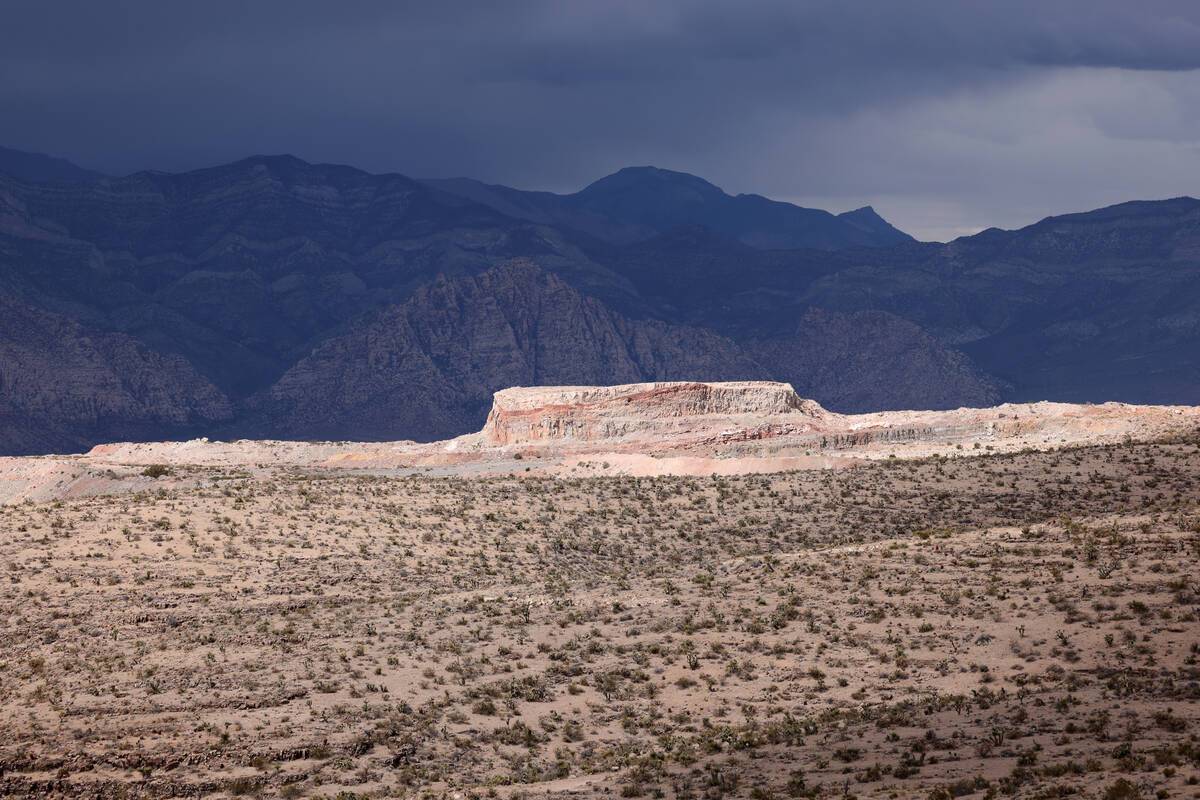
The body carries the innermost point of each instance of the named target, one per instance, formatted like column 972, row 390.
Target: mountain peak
column 662, row 199
column 867, row 220
column 679, row 185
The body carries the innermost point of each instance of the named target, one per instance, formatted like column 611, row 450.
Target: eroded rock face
column 592, row 413
column 763, row 419
column 64, row 385
column 872, row 361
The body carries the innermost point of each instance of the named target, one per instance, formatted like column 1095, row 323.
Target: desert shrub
column 1122, row 789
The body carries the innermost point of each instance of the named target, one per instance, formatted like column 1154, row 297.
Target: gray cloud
column 948, row 115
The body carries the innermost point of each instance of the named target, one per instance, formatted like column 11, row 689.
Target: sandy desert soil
column 1008, row 625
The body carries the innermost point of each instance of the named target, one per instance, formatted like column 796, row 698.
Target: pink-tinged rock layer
column 596, row 413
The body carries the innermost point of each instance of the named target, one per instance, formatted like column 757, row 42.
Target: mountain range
column 272, row 297
column 636, row 203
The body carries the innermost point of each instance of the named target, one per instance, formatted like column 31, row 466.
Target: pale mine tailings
column 688, row 428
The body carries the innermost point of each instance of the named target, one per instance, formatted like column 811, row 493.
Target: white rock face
column 730, row 397
column 589, row 413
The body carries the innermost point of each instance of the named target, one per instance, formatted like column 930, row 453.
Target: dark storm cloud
column 947, row 115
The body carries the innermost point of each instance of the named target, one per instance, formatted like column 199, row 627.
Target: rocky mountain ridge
column 64, row 386
column 637, row 203
column 320, row 301
column 429, row 366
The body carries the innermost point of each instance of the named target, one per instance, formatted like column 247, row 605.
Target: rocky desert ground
column 577, row 602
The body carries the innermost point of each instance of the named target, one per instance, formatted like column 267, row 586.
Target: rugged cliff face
column 635, row 424
column 872, row 360
column 64, row 387
column 1086, row 307
column 429, row 367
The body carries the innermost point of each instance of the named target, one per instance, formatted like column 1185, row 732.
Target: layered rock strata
column 596, row 413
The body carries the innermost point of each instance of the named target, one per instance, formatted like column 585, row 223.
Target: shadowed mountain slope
column 875, row 360
column 271, row 267
column 242, row 269
column 64, row 387
column 635, row 203
column 429, row 367
column 1103, row 305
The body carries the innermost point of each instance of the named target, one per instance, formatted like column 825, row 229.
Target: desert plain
column 591, row 598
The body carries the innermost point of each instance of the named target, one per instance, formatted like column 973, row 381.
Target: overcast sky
column 948, row 116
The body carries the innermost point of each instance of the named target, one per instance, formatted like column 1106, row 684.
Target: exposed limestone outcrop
column 592, row 413
column 743, row 419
